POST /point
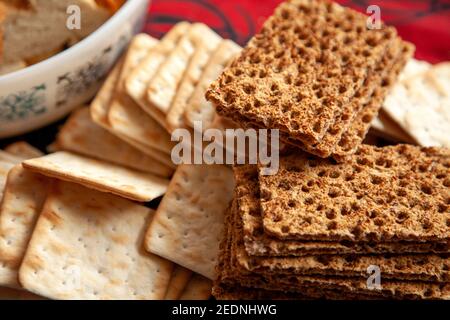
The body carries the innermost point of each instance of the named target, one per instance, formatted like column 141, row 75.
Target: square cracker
column 178, row 281
column 129, row 120
column 99, row 175
column 421, row 106
column 163, row 87
column 23, row 198
column 125, row 117
column 204, row 47
column 189, row 221
column 4, row 169
column 87, row 245
column 81, row 135
column 199, row 109
column 138, row 80
column 11, row 158
column 23, row 149
column 99, row 112
column 198, row 288
column 139, row 47
column 100, row 105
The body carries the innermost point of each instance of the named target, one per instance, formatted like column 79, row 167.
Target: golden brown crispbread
column 386, row 68
column 353, row 137
column 316, row 54
column 379, row 194
column 421, row 267
column 257, row 243
column 231, row 272
column 367, row 102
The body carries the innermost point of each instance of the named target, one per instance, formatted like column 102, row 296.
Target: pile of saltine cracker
column 73, row 224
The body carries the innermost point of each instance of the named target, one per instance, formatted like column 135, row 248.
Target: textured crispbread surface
column 23, row 198
column 238, row 292
column 81, row 135
column 235, row 273
column 422, row 267
column 353, row 137
column 23, row 149
column 391, row 61
column 365, row 107
column 260, row 244
column 100, row 175
column 188, row 223
column 178, row 280
column 88, row 245
column 198, row 288
column 199, row 109
column 380, row 194
column 316, row 55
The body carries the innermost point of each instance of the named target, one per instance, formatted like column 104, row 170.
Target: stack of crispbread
column 314, row 228
column 316, row 73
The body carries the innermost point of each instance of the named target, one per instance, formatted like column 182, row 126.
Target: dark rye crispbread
column 231, row 273
column 379, row 194
column 237, row 292
column 260, row 244
column 227, row 288
column 348, row 132
column 316, row 55
column 422, row 267
column 354, row 136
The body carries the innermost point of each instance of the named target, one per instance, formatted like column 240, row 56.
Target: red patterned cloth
column 426, row 23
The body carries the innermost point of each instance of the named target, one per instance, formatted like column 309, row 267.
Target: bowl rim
column 107, row 26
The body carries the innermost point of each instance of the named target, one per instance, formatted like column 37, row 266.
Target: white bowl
column 45, row 92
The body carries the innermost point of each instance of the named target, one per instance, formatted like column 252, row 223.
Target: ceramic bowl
column 45, row 92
